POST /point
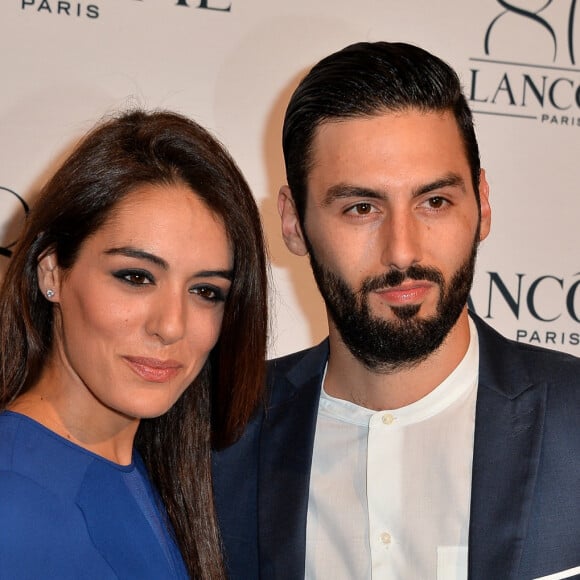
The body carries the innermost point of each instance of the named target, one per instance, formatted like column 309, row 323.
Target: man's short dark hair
column 362, row 80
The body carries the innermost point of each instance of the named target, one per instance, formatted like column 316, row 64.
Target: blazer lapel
column 508, row 435
column 284, row 473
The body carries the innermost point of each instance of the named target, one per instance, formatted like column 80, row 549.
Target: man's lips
column 407, row 293
column 153, row 370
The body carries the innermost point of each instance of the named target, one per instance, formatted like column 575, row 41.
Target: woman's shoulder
column 43, row 533
column 20, row 432
column 33, row 473
column 22, row 499
column 8, row 429
column 75, row 512
column 42, row 537
column 32, row 451
column 39, row 535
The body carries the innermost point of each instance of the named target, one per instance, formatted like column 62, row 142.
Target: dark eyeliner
column 126, row 274
column 218, row 294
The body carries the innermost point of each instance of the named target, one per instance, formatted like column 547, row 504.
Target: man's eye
column 437, row 202
column 361, row 209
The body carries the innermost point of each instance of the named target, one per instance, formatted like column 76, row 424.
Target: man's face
column 392, row 228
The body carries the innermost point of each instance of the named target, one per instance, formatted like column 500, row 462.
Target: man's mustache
column 395, row 277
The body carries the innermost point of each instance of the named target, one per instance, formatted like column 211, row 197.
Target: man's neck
column 347, row 378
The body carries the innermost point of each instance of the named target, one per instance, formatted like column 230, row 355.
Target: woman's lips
column 154, row 370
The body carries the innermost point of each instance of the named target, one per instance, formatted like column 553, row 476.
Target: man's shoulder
column 528, row 350
column 505, row 356
column 309, row 358
column 296, row 373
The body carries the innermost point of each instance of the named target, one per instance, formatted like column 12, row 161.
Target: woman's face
column 142, row 307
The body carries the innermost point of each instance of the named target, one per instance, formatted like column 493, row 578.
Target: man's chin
column 409, row 312
column 396, row 314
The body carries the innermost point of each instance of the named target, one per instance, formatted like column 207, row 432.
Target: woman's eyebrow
column 226, row 274
column 131, row 252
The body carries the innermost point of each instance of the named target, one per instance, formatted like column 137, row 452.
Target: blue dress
column 67, row 513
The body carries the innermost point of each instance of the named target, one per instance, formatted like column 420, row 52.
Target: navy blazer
column 525, row 503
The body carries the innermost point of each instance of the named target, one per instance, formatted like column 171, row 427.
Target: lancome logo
column 529, row 66
column 537, row 303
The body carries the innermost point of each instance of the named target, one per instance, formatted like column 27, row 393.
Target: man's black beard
column 389, row 345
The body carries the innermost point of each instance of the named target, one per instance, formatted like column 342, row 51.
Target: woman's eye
column 135, row 278
column 210, row 293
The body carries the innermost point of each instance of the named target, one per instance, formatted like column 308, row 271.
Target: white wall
column 231, row 65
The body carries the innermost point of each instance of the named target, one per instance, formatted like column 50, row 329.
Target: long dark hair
column 120, row 154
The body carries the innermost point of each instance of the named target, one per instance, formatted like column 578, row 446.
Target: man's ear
column 485, row 224
column 291, row 229
column 49, row 275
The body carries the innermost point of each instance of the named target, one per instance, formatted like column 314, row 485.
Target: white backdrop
column 231, row 65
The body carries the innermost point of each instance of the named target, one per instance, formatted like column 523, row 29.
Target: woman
column 133, row 332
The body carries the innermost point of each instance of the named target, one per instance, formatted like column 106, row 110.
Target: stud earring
column 50, row 293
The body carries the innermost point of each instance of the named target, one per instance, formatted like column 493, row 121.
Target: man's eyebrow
column 449, row 180
column 343, row 191
column 143, row 255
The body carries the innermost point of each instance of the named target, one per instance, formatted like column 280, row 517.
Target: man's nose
column 401, row 240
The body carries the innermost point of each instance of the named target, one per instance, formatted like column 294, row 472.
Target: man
column 415, row 442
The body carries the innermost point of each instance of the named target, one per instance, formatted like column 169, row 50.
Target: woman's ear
column 49, row 275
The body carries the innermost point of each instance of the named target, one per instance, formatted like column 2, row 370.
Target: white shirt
column 390, row 490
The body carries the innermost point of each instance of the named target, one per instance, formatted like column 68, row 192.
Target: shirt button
column 385, row 538
column 388, row 419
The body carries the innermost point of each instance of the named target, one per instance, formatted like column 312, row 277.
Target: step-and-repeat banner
column 232, row 64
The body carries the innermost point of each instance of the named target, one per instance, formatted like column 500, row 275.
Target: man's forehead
column 381, row 115
column 361, row 136
column 410, row 148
